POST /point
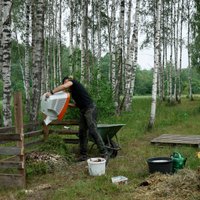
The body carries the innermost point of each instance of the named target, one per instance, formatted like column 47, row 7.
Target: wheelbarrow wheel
column 112, row 149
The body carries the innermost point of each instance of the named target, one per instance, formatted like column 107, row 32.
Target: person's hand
column 48, row 94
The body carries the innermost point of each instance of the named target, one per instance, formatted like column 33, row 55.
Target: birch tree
column 99, row 40
column 1, row 29
column 84, row 40
column 71, row 35
column 113, row 47
column 156, row 62
column 27, row 56
column 171, row 55
column 189, row 50
column 37, row 65
column 180, row 51
column 131, row 61
column 119, row 63
column 6, row 68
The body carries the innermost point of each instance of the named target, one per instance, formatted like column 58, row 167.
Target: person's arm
column 59, row 88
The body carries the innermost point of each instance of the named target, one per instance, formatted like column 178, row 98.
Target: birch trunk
column 93, row 34
column 60, row 44
column 156, row 62
column 109, row 38
column 171, row 56
column 37, row 65
column 113, row 41
column 176, row 21
column 54, row 38
column 128, row 26
column 120, row 58
column 164, row 43
column 99, row 41
column 27, row 57
column 1, row 29
column 189, row 52
column 181, row 50
column 83, row 41
column 71, row 33
column 131, row 61
column 6, row 58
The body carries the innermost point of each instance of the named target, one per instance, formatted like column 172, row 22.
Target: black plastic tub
column 160, row 164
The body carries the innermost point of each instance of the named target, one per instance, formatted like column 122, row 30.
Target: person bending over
column 88, row 116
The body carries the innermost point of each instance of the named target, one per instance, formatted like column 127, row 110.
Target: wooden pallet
column 193, row 140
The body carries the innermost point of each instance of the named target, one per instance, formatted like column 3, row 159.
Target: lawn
column 74, row 182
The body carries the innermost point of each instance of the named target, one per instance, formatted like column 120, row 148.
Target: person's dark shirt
column 80, row 95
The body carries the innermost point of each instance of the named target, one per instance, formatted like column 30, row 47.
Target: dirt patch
column 183, row 185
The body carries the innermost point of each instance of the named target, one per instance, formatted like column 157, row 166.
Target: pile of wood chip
column 45, row 157
column 185, row 184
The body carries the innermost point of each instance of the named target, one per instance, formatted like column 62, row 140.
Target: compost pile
column 42, row 162
column 185, row 184
column 45, row 157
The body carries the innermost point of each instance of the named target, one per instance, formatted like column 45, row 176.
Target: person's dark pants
column 88, row 126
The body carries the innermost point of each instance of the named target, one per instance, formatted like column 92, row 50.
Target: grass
column 75, row 183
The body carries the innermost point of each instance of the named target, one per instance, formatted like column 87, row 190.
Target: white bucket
column 96, row 166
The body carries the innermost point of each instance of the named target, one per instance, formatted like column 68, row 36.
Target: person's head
column 67, row 78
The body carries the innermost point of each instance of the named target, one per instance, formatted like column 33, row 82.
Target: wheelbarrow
column 108, row 132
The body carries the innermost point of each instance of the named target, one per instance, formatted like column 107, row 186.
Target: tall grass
column 134, row 139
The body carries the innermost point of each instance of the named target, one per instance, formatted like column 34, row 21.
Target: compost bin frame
column 17, row 134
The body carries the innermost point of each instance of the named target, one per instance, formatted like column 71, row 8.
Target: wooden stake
column 19, row 129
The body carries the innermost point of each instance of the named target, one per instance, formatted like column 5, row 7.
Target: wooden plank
column 177, row 139
column 11, row 164
column 65, row 132
column 12, row 180
column 179, row 136
column 71, row 141
column 7, row 129
column 11, row 151
column 10, row 137
column 33, row 133
column 68, row 122
column 33, row 124
column 32, row 143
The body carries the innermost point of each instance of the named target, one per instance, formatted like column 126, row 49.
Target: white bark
column 129, row 25
column 171, row 56
column 1, row 29
column 27, row 57
column 99, row 41
column 120, row 58
column 156, row 63
column 189, row 51
column 71, row 35
column 54, row 43
column 6, row 69
column 180, row 50
column 131, row 61
column 113, row 46
column 60, row 43
column 176, row 21
column 37, row 65
column 83, row 40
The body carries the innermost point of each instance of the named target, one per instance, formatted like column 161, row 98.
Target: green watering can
column 178, row 161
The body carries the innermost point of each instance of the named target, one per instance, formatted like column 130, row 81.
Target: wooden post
column 19, row 129
column 45, row 129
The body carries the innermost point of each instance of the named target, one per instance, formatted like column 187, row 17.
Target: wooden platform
column 193, row 140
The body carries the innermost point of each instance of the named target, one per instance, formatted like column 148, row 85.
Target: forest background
column 101, row 51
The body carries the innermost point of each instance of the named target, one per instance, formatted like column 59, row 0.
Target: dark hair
column 67, row 77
